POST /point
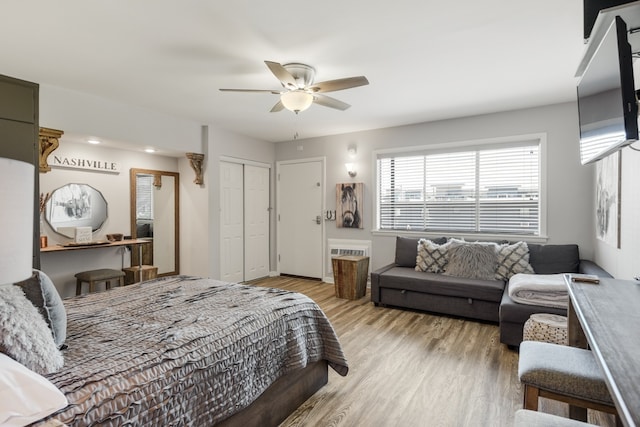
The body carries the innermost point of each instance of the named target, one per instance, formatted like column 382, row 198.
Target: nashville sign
column 84, row 163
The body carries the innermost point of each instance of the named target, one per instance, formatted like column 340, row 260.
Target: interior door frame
column 269, row 167
column 323, row 196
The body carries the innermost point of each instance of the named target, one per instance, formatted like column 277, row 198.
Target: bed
column 192, row 351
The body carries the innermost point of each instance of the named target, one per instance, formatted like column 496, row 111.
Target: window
column 144, row 197
column 488, row 188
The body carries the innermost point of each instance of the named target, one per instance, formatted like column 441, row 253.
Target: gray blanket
column 184, row 350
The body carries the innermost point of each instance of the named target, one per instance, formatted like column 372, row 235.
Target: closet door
column 231, row 222
column 256, row 223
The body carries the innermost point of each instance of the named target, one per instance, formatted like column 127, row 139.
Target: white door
column 256, row 223
column 231, row 222
column 300, row 192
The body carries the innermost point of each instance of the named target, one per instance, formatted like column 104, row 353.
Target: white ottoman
column 545, row 327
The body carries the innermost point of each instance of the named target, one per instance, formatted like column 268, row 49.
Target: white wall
column 570, row 195
column 624, row 263
column 84, row 114
column 61, row 266
column 194, row 216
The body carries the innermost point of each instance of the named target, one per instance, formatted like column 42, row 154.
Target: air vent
column 339, row 247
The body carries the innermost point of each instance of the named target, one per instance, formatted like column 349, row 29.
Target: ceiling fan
column 299, row 89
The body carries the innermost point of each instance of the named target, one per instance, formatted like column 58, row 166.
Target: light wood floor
column 412, row 369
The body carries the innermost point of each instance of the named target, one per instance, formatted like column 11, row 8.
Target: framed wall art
column 608, row 199
column 349, row 202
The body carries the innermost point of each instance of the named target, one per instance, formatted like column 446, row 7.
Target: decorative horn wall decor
column 196, row 160
column 48, row 140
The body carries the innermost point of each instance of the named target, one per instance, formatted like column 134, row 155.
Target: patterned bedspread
column 184, row 350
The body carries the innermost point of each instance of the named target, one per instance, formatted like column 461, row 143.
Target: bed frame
column 282, row 398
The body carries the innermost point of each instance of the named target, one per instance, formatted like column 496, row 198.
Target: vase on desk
column 44, row 241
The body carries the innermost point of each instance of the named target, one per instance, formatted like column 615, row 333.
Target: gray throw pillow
column 472, row 261
column 513, row 259
column 40, row 290
column 24, row 335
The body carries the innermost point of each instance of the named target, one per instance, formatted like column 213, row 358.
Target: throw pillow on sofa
column 472, row 261
column 432, row 257
column 513, row 259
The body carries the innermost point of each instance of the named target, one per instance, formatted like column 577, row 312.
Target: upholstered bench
column 563, row 373
column 526, row 418
column 95, row 276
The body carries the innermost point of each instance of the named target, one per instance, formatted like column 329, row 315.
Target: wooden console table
column 76, row 247
column 131, row 242
column 606, row 316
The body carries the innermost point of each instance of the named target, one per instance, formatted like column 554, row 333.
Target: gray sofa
column 400, row 285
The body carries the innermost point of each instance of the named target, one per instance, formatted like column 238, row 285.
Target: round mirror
column 76, row 205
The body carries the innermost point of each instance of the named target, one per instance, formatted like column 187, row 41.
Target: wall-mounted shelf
column 629, row 12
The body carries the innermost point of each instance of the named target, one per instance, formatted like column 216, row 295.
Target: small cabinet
column 350, row 276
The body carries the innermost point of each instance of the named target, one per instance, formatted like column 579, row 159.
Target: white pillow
column 25, row 397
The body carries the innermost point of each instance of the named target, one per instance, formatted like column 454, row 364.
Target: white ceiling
column 425, row 60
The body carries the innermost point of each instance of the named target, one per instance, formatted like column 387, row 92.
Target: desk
column 132, row 242
column 607, row 317
column 77, row 247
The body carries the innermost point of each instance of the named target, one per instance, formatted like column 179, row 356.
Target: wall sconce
column 351, row 169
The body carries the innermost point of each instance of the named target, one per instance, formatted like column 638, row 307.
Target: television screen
column 607, row 106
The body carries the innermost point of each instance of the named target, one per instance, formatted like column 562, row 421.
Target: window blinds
column 474, row 190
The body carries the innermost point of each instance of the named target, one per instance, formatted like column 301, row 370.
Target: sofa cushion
column 438, row 284
column 511, row 311
column 513, row 259
column 473, row 261
column 407, row 250
column 432, row 257
column 553, row 259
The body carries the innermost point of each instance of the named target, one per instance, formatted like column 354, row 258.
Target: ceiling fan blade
column 339, row 84
column 275, row 92
column 282, row 74
column 327, row 101
column 277, row 107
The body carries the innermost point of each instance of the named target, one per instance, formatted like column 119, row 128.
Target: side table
column 137, row 274
column 350, row 276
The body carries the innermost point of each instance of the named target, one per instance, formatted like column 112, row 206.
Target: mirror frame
column 132, row 192
column 81, row 222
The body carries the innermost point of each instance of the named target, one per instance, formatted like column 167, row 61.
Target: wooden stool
column 139, row 274
column 94, row 276
column 563, row 373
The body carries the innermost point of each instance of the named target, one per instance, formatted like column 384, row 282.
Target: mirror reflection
column 154, row 217
column 75, row 205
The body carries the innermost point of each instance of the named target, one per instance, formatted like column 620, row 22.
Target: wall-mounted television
column 607, row 104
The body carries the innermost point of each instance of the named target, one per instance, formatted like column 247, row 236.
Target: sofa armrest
column 375, row 281
column 590, row 267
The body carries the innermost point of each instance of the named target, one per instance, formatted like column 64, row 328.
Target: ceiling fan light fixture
column 296, row 100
